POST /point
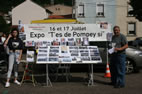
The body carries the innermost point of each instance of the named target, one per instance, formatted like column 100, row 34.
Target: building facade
column 60, row 9
column 28, row 11
column 95, row 11
column 114, row 12
column 130, row 26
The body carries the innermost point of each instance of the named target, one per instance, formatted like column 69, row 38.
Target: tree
column 3, row 26
column 66, row 2
column 137, row 9
column 4, row 6
column 42, row 2
column 7, row 5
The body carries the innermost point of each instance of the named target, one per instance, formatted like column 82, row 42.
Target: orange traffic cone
column 107, row 74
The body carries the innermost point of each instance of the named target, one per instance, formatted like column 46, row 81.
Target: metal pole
column 107, row 51
column 91, row 79
column 48, row 82
column 92, row 75
column 47, row 74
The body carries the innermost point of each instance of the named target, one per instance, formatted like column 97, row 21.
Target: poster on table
column 68, row 54
column 30, row 56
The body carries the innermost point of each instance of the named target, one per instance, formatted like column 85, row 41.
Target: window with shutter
column 132, row 28
column 100, row 10
column 81, row 10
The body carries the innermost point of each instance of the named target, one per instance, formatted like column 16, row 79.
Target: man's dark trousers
column 117, row 68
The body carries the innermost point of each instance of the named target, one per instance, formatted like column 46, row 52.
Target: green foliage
column 6, row 5
column 15, row 3
column 41, row 2
column 137, row 9
column 3, row 26
column 66, row 2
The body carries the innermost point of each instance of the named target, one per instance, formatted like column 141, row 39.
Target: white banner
column 48, row 32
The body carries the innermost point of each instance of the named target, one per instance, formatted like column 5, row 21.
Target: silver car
column 134, row 59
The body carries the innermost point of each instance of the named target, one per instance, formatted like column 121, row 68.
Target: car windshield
column 140, row 38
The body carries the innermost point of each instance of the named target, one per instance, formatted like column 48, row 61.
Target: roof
column 59, row 9
column 60, row 16
column 48, row 11
column 56, row 21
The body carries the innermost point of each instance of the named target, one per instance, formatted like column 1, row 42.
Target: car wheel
column 129, row 66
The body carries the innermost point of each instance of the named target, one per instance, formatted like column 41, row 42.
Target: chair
column 65, row 71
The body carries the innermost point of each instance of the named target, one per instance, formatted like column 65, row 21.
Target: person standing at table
column 15, row 46
column 117, row 60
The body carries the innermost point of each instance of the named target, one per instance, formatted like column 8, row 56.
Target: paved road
column 77, row 85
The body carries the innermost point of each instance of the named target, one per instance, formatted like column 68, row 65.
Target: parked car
column 133, row 59
column 137, row 42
